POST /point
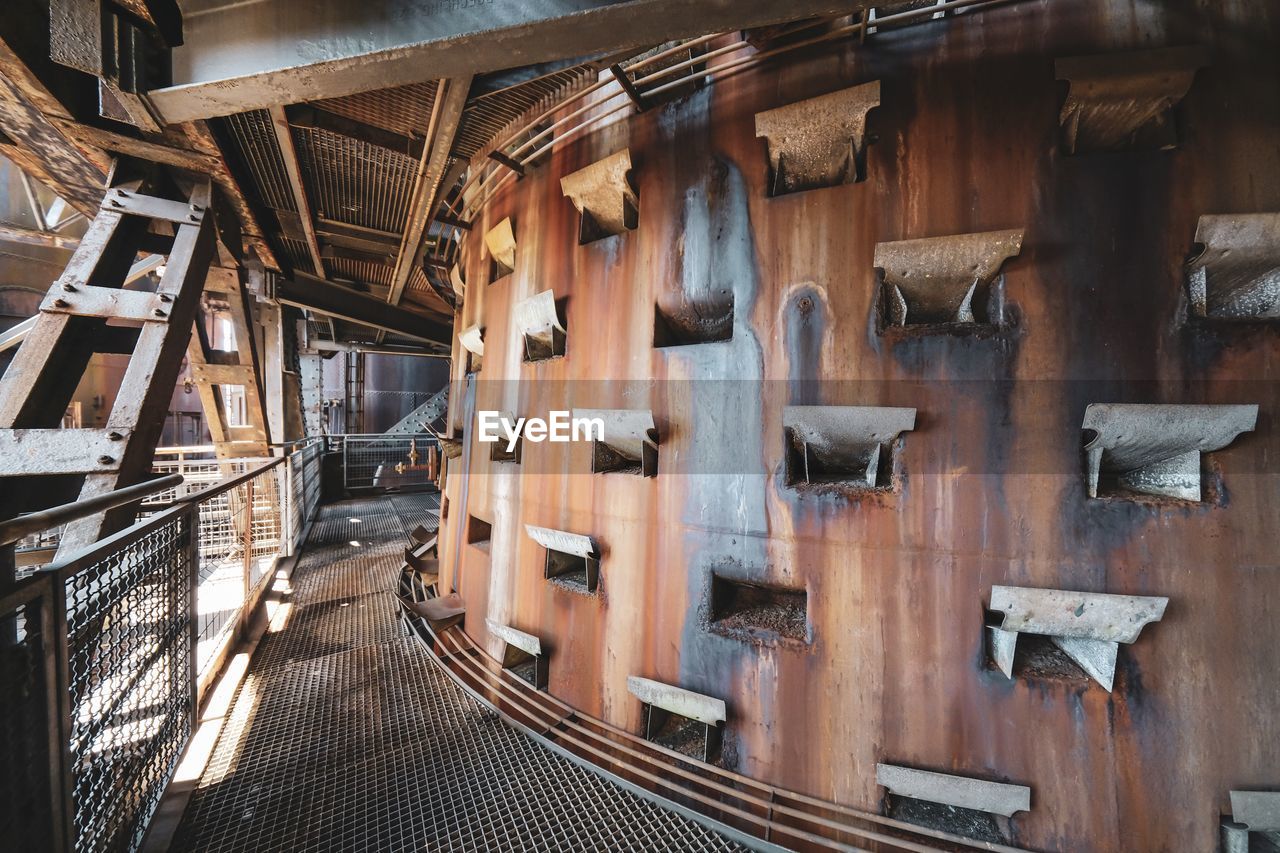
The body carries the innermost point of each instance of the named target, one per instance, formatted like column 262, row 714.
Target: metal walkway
column 345, row 736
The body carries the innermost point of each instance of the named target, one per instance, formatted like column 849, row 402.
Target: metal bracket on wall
column 629, row 442
column 662, row 700
column 1236, row 273
column 500, row 240
column 1154, row 449
column 442, row 612
column 1251, row 812
column 958, row 791
column 1086, row 626
column 1125, row 101
column 842, row 445
column 455, row 281
column 541, row 330
column 603, row 195
column 522, row 654
column 498, row 449
column 471, row 339
column 572, row 559
column 940, row 280
column 819, row 142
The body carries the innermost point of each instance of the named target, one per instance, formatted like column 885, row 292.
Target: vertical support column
column 213, row 368
column 355, row 392
column 312, row 378
column 247, row 538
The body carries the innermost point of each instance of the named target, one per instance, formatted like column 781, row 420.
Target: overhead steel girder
column 345, row 304
column 306, row 50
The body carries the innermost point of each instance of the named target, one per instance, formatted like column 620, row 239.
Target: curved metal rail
column 487, row 177
column 751, row 811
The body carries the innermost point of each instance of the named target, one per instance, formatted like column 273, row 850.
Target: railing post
column 58, row 663
column 248, row 550
column 286, row 508
column 193, row 610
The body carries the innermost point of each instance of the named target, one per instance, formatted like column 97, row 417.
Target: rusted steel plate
column 994, row 481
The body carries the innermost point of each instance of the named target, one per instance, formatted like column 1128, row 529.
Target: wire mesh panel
column 268, row 506
column 387, row 461
column 302, row 489
column 221, row 591
column 311, row 477
column 26, row 810
column 129, row 668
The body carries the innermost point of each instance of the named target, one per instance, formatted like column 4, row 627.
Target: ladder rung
column 108, row 303
column 137, row 204
column 60, row 451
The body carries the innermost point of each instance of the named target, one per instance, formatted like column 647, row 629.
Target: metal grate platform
column 344, row 736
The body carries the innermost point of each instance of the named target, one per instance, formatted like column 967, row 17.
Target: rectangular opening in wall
column 757, row 612
column 501, row 243
column 819, row 142
column 542, row 331
column 815, row 464
column 627, row 443
column 471, row 341
column 960, row 805
column 944, row 284
column 522, row 655
column 578, row 572
column 682, row 734
column 502, row 450
column 603, row 194
column 572, row 560
column 498, row 270
column 843, row 447
column 688, row 323
column 681, row 720
column 478, row 532
column 956, row 820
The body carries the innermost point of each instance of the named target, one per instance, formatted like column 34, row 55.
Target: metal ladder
column 88, row 311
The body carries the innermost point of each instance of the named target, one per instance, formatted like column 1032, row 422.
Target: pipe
column 24, row 525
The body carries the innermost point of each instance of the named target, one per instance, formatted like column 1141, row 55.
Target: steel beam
column 451, row 97
column 27, row 114
column 284, row 138
column 317, row 295
column 241, row 56
column 32, row 237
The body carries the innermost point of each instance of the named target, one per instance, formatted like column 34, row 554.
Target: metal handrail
column 555, row 726
column 24, row 525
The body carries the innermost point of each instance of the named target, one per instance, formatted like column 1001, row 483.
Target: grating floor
column 344, row 736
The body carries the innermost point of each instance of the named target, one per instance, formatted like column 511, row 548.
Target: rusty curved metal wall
column 990, row 483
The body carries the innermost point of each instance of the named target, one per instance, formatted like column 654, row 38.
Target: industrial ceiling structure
column 343, row 166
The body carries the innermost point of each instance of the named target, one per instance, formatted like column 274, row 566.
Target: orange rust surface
column 990, row 486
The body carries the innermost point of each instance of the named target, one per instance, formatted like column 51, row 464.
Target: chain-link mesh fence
column 129, row 679
column 389, row 461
